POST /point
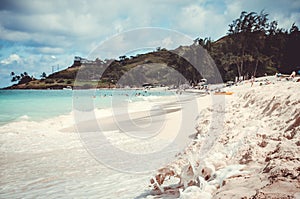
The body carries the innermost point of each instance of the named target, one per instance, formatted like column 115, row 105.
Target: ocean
column 37, row 105
column 42, row 154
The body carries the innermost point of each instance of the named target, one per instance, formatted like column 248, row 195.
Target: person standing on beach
column 293, row 75
column 252, row 80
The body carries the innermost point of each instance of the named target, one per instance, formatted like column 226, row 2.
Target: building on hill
column 79, row 60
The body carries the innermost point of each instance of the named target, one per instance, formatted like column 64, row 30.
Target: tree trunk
column 256, row 65
column 242, row 64
column 238, row 68
column 242, row 61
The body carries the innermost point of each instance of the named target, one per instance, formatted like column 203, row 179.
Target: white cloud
column 198, row 20
column 13, row 58
column 50, row 50
column 191, row 17
column 286, row 20
column 138, row 40
column 167, row 42
column 79, row 23
column 284, row 11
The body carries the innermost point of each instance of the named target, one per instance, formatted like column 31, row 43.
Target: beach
column 48, row 158
column 256, row 154
column 244, row 145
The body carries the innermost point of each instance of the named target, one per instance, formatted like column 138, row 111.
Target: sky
column 40, row 36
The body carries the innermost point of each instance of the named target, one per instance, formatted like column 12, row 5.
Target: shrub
column 61, row 81
column 69, row 82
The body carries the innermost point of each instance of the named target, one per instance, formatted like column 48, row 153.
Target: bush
column 69, row 82
column 61, row 81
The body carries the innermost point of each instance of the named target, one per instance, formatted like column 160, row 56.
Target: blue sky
column 36, row 35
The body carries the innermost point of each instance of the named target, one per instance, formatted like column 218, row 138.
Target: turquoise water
column 37, row 105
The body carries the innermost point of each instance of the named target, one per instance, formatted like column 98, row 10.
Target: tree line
column 24, row 77
column 255, row 46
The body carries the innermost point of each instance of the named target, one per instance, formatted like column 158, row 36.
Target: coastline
column 62, row 165
column 254, row 127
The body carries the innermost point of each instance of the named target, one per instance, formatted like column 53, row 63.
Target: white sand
column 256, row 154
column 48, row 158
column 250, row 147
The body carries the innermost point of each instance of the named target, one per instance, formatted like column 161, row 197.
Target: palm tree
column 43, row 75
column 122, row 58
column 14, row 79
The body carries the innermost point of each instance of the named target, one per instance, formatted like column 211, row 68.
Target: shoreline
column 247, row 138
column 58, row 156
